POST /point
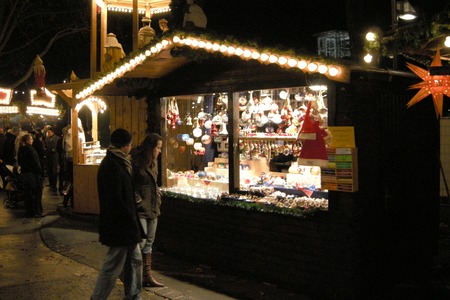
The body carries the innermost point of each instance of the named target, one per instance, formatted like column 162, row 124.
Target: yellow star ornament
column 436, row 85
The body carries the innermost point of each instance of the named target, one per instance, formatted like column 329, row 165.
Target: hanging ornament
column 214, row 131
column 436, row 85
column 223, row 129
column 307, row 132
column 206, row 139
column 197, row 132
column 39, row 74
column 188, row 120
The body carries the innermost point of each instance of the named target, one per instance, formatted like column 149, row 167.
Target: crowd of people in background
column 35, row 154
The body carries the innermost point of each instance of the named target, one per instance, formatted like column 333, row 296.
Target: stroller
column 11, row 185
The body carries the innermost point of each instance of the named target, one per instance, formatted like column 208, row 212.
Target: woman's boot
column 149, row 281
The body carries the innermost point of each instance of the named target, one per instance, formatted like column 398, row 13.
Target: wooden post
column 103, row 34
column 135, row 25
column 94, row 130
column 76, row 148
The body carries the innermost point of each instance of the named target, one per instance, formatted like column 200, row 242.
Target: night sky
column 286, row 23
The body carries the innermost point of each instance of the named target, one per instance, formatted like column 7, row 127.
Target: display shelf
column 92, row 153
column 342, row 172
column 268, row 138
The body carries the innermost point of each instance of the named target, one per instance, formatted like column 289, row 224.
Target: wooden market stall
column 345, row 251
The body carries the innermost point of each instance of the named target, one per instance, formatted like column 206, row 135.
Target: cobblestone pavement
column 58, row 257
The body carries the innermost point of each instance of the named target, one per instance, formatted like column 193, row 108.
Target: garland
column 250, row 206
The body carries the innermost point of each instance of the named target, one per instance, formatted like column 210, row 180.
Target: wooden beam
column 93, row 67
column 103, row 34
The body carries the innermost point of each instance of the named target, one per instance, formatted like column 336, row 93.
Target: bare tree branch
column 58, row 36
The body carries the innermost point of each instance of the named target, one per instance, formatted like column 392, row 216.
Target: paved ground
column 58, row 257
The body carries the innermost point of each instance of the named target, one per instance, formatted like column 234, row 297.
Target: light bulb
column 368, row 58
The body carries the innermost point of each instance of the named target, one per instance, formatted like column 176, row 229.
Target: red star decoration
column 436, row 85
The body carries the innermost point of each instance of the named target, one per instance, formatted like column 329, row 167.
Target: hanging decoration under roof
column 39, row 74
column 436, row 85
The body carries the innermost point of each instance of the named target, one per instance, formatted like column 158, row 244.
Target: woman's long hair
column 145, row 149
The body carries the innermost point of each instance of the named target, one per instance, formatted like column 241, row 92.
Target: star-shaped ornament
column 436, row 85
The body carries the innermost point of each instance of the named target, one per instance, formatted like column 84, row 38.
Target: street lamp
column 400, row 10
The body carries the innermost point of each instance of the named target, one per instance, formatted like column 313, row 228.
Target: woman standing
column 148, row 197
column 30, row 170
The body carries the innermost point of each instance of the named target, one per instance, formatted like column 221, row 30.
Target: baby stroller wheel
column 8, row 203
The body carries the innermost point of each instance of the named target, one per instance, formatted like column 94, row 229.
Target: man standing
column 119, row 226
column 51, row 142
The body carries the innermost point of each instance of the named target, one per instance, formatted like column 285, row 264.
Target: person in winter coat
column 9, row 146
column 39, row 146
column 119, row 227
column 148, row 197
column 30, row 167
column 51, row 142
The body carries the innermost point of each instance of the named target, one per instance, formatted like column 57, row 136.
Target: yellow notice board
column 342, row 136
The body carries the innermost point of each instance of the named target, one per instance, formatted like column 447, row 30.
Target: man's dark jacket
column 119, row 224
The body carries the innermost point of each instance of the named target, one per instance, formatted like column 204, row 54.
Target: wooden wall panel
column 128, row 113
column 142, row 115
column 85, row 189
column 112, row 111
column 119, row 112
column 135, row 130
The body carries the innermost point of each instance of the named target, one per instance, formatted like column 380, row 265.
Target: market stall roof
column 142, row 4
column 156, row 61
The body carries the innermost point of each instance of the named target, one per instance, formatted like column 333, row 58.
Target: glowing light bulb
column 292, row 62
column 256, row 55
column 302, row 64
column 273, row 58
column 368, row 58
column 247, row 53
column 333, row 71
column 447, row 42
column 312, row 67
column 322, row 69
column 282, row 60
column 371, row 37
column 264, row 57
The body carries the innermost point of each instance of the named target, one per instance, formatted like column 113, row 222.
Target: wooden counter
column 85, row 189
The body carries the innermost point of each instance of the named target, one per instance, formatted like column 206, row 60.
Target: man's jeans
column 128, row 258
